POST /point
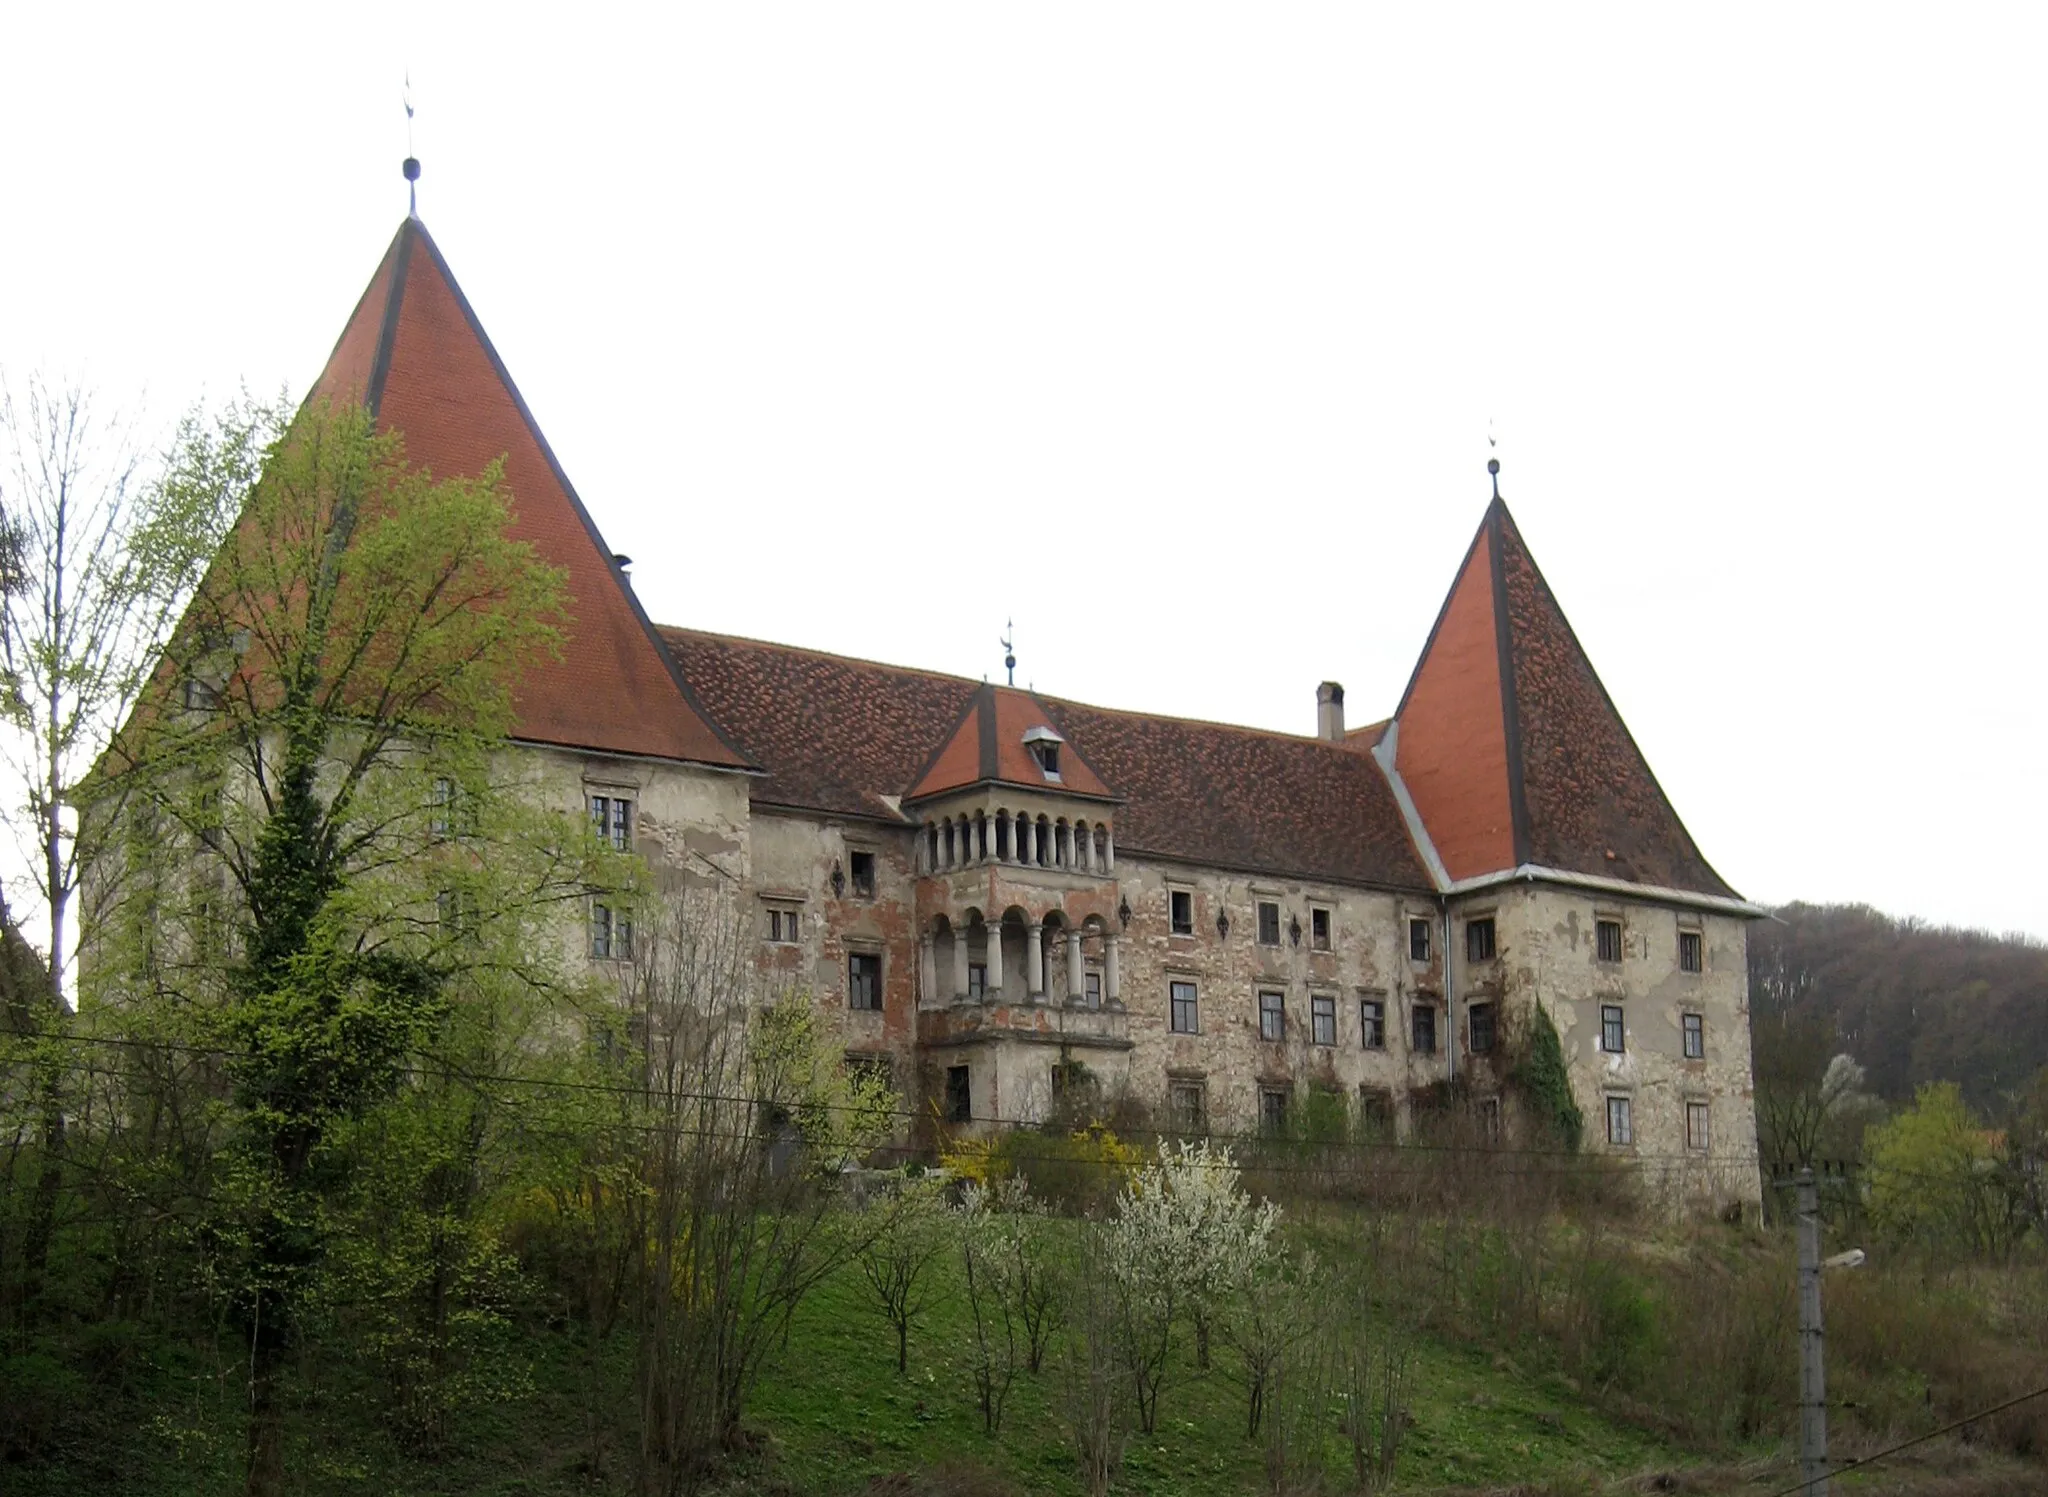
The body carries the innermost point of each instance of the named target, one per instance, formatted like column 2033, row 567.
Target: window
column 1696, row 1127
column 1608, row 934
column 1322, row 1020
column 864, row 980
column 1479, row 1023
column 1182, row 908
column 1319, row 929
column 1272, row 1110
column 1695, row 1036
column 1372, row 1023
column 1489, row 1119
column 1620, row 1125
column 1691, row 952
column 1418, row 938
column 1612, row 1036
column 1375, row 1109
column 1185, row 1018
column 441, row 819
column 1272, row 1016
column 1186, row 1106
column 867, row 1068
column 611, row 933
column 1423, row 1032
column 1092, row 987
column 1479, row 940
column 1269, row 923
column 782, row 926
column 612, row 815
column 201, row 696
column 959, row 1094
column 1071, row 1079
column 1047, row 753
column 977, row 979
column 863, row 864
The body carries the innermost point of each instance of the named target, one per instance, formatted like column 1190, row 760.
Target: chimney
column 1330, row 712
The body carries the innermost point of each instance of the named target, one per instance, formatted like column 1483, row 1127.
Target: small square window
column 1181, row 902
column 611, row 933
column 864, row 980
column 1372, row 1023
column 863, row 866
column 1418, row 939
column 1479, row 940
column 1319, row 929
column 612, row 817
column 1620, row 1124
column 977, row 979
column 1691, row 952
column 1608, row 934
column 1269, row 923
column 782, row 926
column 1273, row 1110
column 1695, row 1029
column 1613, row 1038
column 1185, row 1018
column 1047, row 753
column 1696, row 1126
column 201, row 696
column 1187, row 1107
column 1479, row 1022
column 959, row 1094
column 1091, row 987
column 1272, row 1016
column 1422, row 1029
column 1322, row 1020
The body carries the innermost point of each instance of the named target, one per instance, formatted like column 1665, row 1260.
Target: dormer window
column 1043, row 744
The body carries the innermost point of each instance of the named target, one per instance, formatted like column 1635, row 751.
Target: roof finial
column 1009, row 650
column 412, row 162
column 1492, row 463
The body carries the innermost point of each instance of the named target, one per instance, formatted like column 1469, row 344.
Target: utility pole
column 1813, row 1378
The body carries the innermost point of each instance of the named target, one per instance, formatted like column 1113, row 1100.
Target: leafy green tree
column 1937, row 1175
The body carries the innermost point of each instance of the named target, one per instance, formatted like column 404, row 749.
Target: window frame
column 1698, row 1140
column 1322, row 1019
column 1692, row 1033
column 1261, row 909
column 1174, row 897
column 854, row 983
column 1178, row 1004
column 977, row 981
column 1275, row 1032
column 1481, row 1018
column 1613, row 1029
column 1372, row 1023
column 960, row 1100
column 1273, row 1120
column 1421, row 925
column 1622, row 1109
column 1480, row 931
column 1322, row 928
column 785, row 925
column 611, row 931
column 1697, row 942
column 863, row 888
column 1091, row 989
column 612, row 815
column 1188, row 1122
column 1602, row 924
column 1421, row 1014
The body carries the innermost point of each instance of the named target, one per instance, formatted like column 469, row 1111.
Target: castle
column 998, row 895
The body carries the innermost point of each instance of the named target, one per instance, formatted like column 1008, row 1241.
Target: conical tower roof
column 1511, row 749
column 415, row 354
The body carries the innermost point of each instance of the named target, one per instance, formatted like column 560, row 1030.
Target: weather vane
column 1009, row 650
column 1492, row 462
column 412, row 162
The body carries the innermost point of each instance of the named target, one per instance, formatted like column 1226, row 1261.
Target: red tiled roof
column 839, row 735
column 414, row 352
column 1511, row 748
column 988, row 748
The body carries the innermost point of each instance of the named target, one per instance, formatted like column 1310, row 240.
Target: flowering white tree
column 1185, row 1234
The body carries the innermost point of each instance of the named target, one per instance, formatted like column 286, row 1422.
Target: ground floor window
column 1273, row 1110
column 1479, row 1019
column 1696, row 1126
column 959, row 1094
column 1489, row 1119
column 1621, row 1127
column 1422, row 1035
column 1187, row 1106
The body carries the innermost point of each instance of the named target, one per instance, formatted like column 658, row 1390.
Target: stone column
column 1086, row 862
column 1108, row 849
column 1112, row 972
column 959, row 964
column 1077, row 986
column 995, row 962
column 1034, row 960
column 927, row 973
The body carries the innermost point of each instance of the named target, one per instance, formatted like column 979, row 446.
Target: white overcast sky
column 1175, row 332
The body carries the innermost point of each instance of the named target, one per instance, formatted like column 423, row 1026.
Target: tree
column 323, row 846
column 1938, row 1175
column 989, row 1253
column 909, row 1232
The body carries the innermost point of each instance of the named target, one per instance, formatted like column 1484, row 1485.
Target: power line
column 1797, row 1488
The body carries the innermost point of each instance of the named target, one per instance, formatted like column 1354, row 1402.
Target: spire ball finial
column 1493, row 470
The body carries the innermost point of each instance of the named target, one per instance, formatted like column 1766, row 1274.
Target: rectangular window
column 1695, row 1036
column 1269, row 923
column 959, row 1094
column 1691, row 952
column 869, row 1069
column 441, row 819
column 864, row 980
column 1182, row 903
column 1489, row 1119
column 1319, row 929
column 1187, row 1107
column 1322, row 1020
column 1092, row 987
column 1422, row 1033
column 611, row 933
column 1612, row 1036
column 1696, row 1127
column 1272, row 1016
column 977, row 979
column 863, row 866
column 1479, row 1022
column 201, row 696
column 1272, row 1110
column 1609, row 936
column 1185, row 1018
column 612, row 816
column 782, row 926
column 1375, row 1109
column 1620, row 1125
column 1372, row 1023
column 1479, row 940
column 1418, row 938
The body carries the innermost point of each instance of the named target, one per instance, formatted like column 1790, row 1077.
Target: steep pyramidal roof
column 415, row 354
column 988, row 747
column 1511, row 749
